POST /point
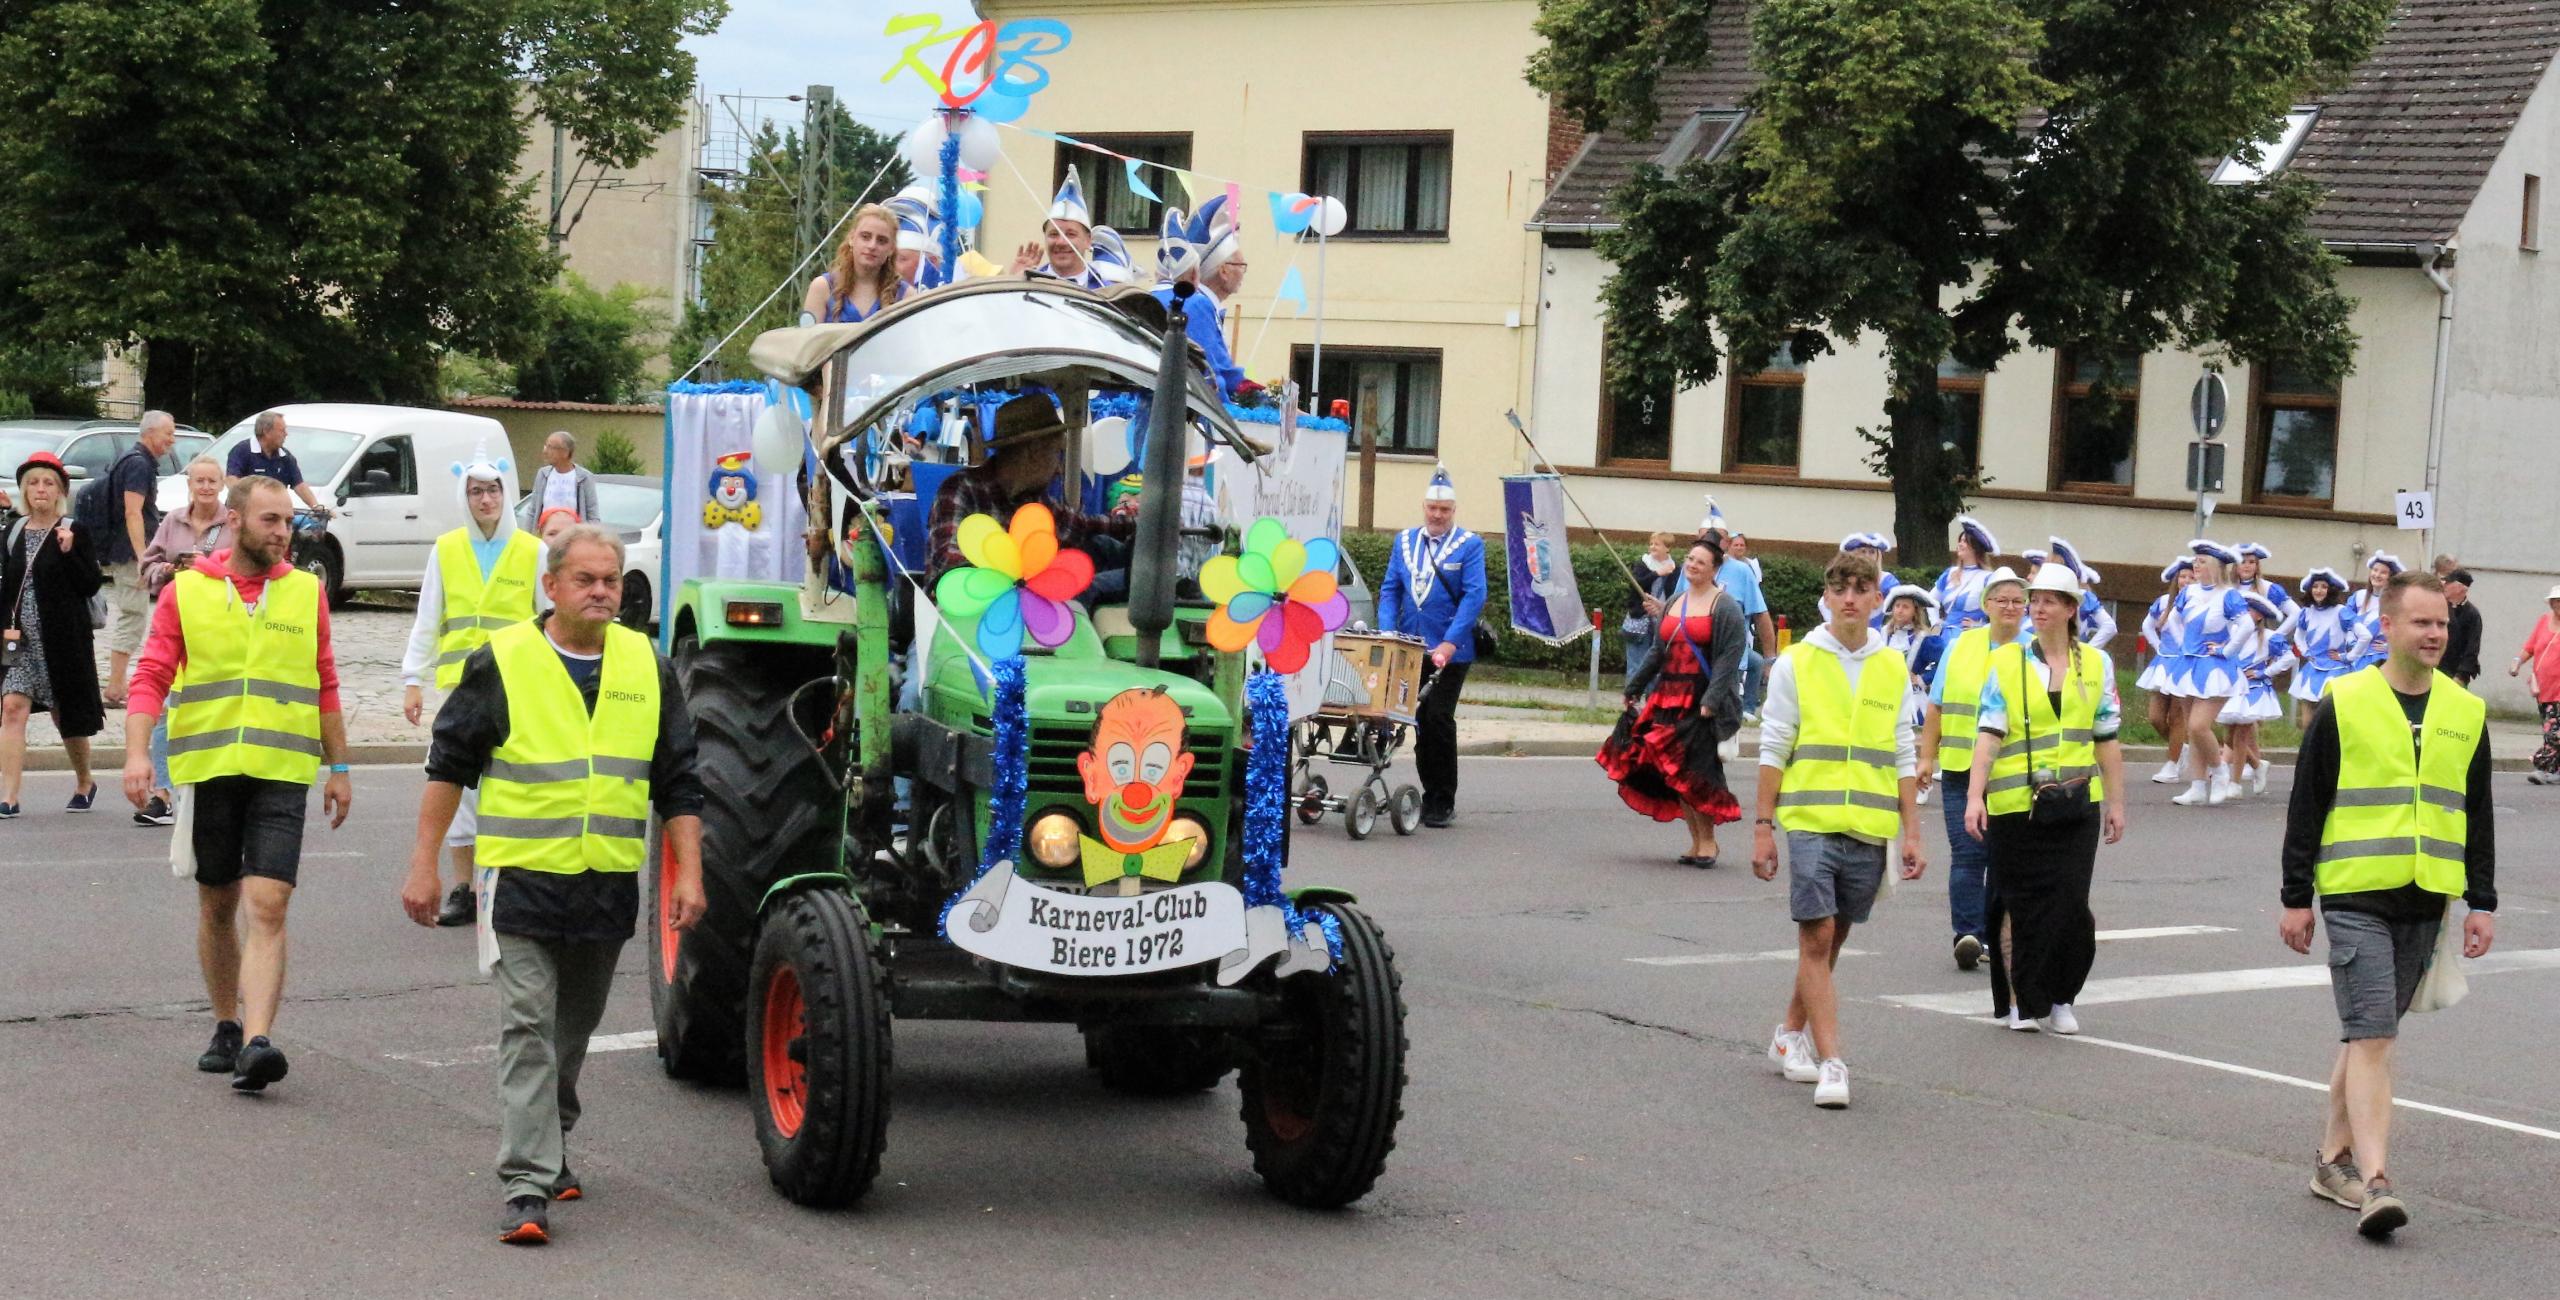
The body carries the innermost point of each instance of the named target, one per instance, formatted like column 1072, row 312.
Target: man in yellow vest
column 1946, row 748
column 1838, row 770
column 575, row 731
column 2390, row 821
column 481, row 577
column 239, row 657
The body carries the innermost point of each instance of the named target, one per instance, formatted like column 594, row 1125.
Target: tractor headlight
column 1189, row 828
column 1052, row 840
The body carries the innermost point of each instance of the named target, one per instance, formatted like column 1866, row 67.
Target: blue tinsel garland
column 1266, row 807
column 1013, row 780
column 950, row 193
column 1127, row 405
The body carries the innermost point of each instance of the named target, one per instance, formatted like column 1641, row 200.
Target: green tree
column 755, row 240
column 303, row 198
column 45, row 380
column 1945, row 172
column 588, row 346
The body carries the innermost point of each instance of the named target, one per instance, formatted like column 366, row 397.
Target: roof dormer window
column 2273, row 152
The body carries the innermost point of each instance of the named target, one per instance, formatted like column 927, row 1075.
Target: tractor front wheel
column 1324, row 1087
column 817, row 1049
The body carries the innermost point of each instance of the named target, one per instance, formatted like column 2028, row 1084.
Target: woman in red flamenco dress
column 1684, row 703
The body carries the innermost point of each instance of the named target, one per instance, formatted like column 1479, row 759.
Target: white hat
column 1440, row 488
column 2000, row 575
column 2216, row 550
column 1213, row 231
column 2178, row 566
column 1928, row 602
column 1070, row 204
column 2388, row 560
column 2057, row 579
column 2555, row 594
column 1176, row 257
column 1876, row 542
column 1970, row 528
column 1714, row 519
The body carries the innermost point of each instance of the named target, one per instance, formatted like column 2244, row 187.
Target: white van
column 388, row 472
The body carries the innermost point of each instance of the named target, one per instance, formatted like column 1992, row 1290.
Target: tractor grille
column 1054, row 750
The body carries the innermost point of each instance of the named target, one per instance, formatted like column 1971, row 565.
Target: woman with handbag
column 1685, row 701
column 48, row 571
column 2048, row 780
column 183, row 535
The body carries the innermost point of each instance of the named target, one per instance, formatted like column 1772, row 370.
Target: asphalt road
column 1585, row 1118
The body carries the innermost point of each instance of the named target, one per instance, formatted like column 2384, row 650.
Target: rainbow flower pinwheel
column 1280, row 594
column 1018, row 580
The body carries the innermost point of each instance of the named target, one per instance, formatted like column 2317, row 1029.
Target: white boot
column 2258, row 777
column 2196, row 795
column 2224, row 789
column 2167, row 775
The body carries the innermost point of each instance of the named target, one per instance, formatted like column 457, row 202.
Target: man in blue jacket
column 1434, row 589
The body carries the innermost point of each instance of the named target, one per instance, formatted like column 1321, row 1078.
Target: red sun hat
column 44, row 460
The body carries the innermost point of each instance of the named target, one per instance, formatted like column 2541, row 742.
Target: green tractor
column 840, row 905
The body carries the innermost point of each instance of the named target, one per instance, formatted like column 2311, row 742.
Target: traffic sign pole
column 2210, row 404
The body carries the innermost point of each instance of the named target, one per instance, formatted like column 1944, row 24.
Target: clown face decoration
column 733, row 493
column 1135, row 768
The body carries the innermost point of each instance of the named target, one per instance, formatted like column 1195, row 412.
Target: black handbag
column 2052, row 801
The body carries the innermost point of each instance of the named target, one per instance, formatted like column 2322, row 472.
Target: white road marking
column 2161, row 932
column 488, row 1052
column 1729, row 958
column 2314, row 1085
column 2141, row 988
column 161, row 860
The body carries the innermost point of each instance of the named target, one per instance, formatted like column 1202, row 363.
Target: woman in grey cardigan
column 562, row 482
column 1681, row 705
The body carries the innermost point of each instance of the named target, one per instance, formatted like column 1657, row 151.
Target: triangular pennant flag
column 1292, row 289
column 1286, row 217
column 1137, row 185
column 1235, row 204
column 1192, row 185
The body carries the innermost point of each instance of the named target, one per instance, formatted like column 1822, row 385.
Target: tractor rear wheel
column 1156, row 1060
column 817, row 1048
column 1324, row 1088
column 769, row 812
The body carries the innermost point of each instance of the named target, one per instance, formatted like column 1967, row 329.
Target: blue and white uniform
column 2261, row 656
column 1885, row 581
column 2327, row 641
column 1178, row 254
column 1959, row 593
column 2161, row 629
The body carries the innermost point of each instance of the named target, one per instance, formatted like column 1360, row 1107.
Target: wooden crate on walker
column 1384, row 677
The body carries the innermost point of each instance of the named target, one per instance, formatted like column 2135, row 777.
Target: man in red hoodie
column 243, row 638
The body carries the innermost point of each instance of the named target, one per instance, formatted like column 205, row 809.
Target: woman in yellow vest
column 1946, row 747
column 480, row 577
column 2048, row 779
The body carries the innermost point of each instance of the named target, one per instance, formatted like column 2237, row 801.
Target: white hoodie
column 1779, row 713
column 420, row 656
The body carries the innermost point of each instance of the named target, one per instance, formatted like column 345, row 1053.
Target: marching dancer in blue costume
column 2366, row 606
column 2261, row 656
column 2161, row 630
column 2212, row 617
column 1434, row 589
column 1959, row 590
column 2327, row 640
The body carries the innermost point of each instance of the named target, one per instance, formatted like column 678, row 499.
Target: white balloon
column 924, row 146
column 779, row 436
column 1329, row 218
column 1106, row 447
column 981, row 145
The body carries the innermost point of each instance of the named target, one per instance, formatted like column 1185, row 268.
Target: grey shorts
column 129, row 613
column 2374, row 968
column 1832, row 875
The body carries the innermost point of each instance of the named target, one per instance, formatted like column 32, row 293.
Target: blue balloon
column 972, row 210
column 997, row 106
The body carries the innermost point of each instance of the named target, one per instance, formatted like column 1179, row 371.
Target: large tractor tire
column 1156, row 1060
column 1322, row 1097
column 818, row 1049
column 769, row 812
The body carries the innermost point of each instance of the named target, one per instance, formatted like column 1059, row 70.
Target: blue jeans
column 160, row 752
column 1754, row 681
column 1968, row 859
column 1639, row 651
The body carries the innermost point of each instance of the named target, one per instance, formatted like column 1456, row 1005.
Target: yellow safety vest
column 474, row 608
column 568, row 791
column 1958, row 715
column 2399, row 813
column 2038, row 737
column 1841, row 779
column 247, row 700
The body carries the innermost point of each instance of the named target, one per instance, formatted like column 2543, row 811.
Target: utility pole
column 817, row 165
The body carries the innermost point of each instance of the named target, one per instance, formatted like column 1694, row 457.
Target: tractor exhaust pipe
column 1153, row 554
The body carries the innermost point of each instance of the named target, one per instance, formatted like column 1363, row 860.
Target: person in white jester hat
column 733, row 493
column 574, row 730
column 1065, row 248
column 1183, row 249
column 239, row 655
column 1435, row 589
column 480, row 577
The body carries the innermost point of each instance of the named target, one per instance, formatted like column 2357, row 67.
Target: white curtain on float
column 706, row 422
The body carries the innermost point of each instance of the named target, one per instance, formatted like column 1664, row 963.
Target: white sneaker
column 1922, row 797
column 1794, row 1054
column 1832, row 1092
column 2258, row 779
column 2223, row 792
column 2196, row 795
column 2062, row 1021
column 2169, row 774
column 1730, row 748
column 2021, row 1023
column 1750, row 718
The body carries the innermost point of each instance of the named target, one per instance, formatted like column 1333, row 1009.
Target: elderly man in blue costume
column 1197, row 251
column 1435, row 589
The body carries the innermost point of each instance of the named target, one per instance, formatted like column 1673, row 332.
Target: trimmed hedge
column 1790, row 584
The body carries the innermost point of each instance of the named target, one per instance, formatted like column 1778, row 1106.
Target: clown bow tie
column 1103, row 863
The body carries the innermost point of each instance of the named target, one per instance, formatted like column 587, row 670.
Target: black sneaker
column 155, row 813
column 2383, row 1213
column 1438, row 820
column 7, row 811
column 224, row 1051
column 526, row 1222
column 261, row 1063
column 83, row 800
column 460, row 908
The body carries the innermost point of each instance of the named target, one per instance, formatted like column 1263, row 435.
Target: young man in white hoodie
column 1838, row 768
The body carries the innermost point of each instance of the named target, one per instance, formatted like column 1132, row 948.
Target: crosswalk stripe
column 1730, row 958
column 2143, row 988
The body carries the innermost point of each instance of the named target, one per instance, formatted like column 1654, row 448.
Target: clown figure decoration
column 1133, row 772
column 733, row 493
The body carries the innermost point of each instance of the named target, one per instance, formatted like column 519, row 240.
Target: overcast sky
column 780, row 47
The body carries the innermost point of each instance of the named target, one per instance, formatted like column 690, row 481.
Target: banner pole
column 1514, row 417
